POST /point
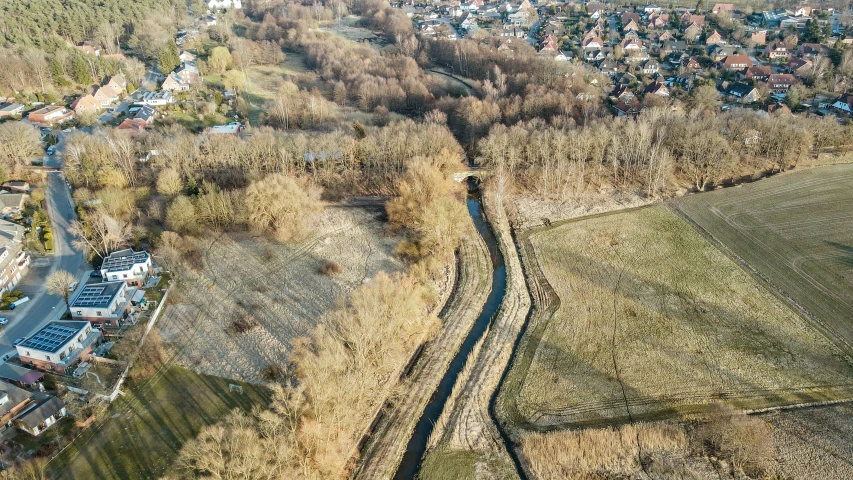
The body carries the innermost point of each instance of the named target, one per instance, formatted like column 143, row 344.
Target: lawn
column 148, row 424
column 796, row 230
column 652, row 320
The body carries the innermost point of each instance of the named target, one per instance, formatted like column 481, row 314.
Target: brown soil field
column 278, row 286
column 652, row 320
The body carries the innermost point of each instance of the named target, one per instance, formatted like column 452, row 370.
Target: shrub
column 272, row 372
column 242, row 324
column 330, row 267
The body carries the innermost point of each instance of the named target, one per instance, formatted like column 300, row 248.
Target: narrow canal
column 411, row 462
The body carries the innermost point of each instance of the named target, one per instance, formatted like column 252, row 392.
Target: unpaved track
column 390, row 437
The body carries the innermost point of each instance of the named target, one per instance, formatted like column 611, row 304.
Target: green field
column 796, row 231
column 147, row 426
column 651, row 320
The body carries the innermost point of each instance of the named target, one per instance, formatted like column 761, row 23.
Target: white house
column 155, row 99
column 58, row 346
column 40, row 415
column 844, row 103
column 127, row 265
column 103, row 303
column 217, row 4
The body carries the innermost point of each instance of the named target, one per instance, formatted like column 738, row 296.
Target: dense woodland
column 544, row 128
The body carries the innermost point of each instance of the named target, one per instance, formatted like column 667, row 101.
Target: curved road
column 44, row 307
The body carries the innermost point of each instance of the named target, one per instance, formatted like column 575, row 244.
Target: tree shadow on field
column 846, row 253
column 714, row 325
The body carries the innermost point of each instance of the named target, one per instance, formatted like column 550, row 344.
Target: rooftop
column 14, row 397
column 53, row 336
column 123, row 260
column 39, row 412
column 97, row 295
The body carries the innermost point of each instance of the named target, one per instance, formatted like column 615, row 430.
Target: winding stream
column 416, row 447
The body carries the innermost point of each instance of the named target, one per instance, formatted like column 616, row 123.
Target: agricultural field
column 796, row 231
column 238, row 315
column 652, row 320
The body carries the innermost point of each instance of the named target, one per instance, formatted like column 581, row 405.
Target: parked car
column 4, row 320
column 18, row 341
column 51, row 149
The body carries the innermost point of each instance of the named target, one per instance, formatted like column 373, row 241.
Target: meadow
column 651, row 320
column 796, row 231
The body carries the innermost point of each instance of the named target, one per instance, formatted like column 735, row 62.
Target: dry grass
column 603, row 453
column 655, row 321
column 278, row 286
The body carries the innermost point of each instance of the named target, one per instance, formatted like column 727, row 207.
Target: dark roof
column 740, row 89
column 14, row 373
column 53, row 336
column 38, row 413
column 123, row 260
column 10, row 107
column 97, row 295
column 16, row 396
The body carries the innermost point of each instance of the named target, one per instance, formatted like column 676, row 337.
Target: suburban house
column 232, row 128
column 104, row 303
column 657, row 88
column 777, row 51
column 59, row 346
column 12, row 203
column 219, row 4
column 844, row 103
column 13, row 260
column 188, row 74
column 133, row 125
column 723, row 7
column 743, row 93
column 781, row 82
column 186, row 57
column 127, row 265
column 157, row 98
column 692, row 32
column 715, row 39
column 40, row 415
column 759, row 37
column 736, row 62
column 631, row 26
column 11, row 109
column 89, row 49
column 107, row 95
column 16, row 186
column 50, row 114
column 759, row 72
column 651, row 67
column 86, row 103
column 31, row 412
column 173, row 83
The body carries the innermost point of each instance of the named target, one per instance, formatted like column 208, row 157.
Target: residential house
column 800, row 67
column 622, row 93
column 549, row 44
column 652, row 9
column 104, row 303
column 84, row 104
column 608, row 66
column 688, row 18
column 743, row 93
column 723, row 7
column 127, row 265
column 591, row 40
column 664, row 36
column 657, row 21
column 157, row 98
column 173, row 83
column 673, row 46
column 629, row 44
column 719, row 52
column 631, row 108
column 781, row 82
column 692, row 32
column 89, row 49
column 232, row 128
column 59, row 346
column 624, row 79
column 690, row 63
column 50, row 115
column 777, row 51
column 631, row 26
column 629, row 17
column 39, row 416
column 12, row 203
column 715, row 39
column 759, row 37
column 760, row 73
column 16, row 186
column 187, row 57
column 657, row 88
column 32, row 412
column 189, row 74
column 146, row 114
column 651, row 67
column 811, row 50
column 844, row 103
column 803, row 11
column 776, row 109
column 133, row 125
column 11, row 109
column 13, row 260
column 736, row 62
column 222, row 4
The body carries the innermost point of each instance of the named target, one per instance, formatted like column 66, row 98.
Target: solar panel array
column 123, row 262
column 94, row 296
column 51, row 337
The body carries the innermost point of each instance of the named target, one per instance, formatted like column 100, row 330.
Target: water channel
column 411, row 462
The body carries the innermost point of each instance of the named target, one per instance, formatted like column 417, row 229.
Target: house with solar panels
column 104, row 304
column 127, row 265
column 59, row 346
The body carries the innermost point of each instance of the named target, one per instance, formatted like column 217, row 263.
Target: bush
column 243, row 324
column 272, row 372
column 48, row 245
column 330, row 267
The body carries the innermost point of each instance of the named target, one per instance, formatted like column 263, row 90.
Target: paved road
column 45, row 307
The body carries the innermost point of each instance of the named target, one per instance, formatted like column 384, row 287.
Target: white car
column 4, row 320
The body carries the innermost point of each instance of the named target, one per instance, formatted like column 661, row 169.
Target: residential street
column 44, row 307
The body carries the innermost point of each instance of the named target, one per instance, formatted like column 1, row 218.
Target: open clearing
column 653, row 321
column 278, row 286
column 796, row 230
column 148, row 425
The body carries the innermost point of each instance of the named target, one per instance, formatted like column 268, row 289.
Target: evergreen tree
column 168, row 59
column 57, row 73
column 81, row 72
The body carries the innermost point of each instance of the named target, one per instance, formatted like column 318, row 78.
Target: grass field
column 653, row 321
column 796, row 230
column 149, row 424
